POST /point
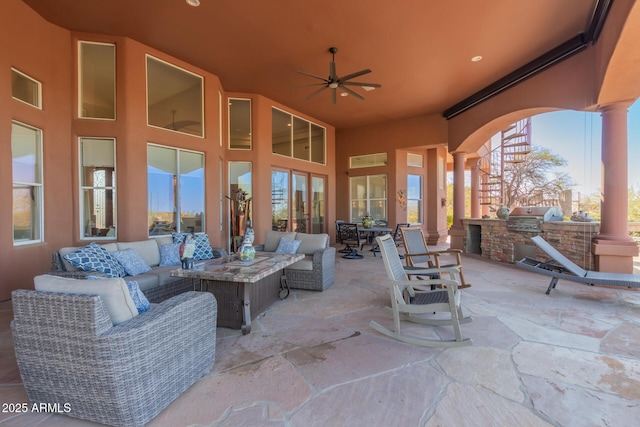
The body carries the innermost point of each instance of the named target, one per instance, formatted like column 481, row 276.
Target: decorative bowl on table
column 367, row 221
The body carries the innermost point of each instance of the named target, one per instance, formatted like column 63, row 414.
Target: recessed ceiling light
column 344, row 94
column 368, row 88
column 476, row 58
column 194, row 3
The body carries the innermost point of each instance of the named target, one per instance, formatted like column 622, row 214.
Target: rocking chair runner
column 410, row 302
column 417, row 252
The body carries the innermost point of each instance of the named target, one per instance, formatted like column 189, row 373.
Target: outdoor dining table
column 371, row 234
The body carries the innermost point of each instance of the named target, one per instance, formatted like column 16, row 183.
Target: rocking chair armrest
column 447, row 283
column 447, row 251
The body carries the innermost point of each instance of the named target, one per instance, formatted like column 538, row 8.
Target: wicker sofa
column 317, row 270
column 69, row 352
column 157, row 284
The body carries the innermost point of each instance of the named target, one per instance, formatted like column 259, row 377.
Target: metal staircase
column 515, row 145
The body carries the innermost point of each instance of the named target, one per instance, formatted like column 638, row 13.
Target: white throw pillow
column 113, row 292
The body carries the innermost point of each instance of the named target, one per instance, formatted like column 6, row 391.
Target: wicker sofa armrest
column 324, row 258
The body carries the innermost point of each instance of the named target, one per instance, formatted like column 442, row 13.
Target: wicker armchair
column 68, row 351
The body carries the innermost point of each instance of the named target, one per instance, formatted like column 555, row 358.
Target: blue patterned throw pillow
column 94, row 257
column 287, row 246
column 170, row 254
column 131, row 261
column 139, row 299
column 203, row 247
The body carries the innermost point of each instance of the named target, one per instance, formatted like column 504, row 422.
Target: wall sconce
column 443, row 202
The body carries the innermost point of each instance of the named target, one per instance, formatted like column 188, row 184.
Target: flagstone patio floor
column 571, row 358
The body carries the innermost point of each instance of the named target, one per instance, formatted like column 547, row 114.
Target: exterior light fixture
column 194, row 3
column 476, row 58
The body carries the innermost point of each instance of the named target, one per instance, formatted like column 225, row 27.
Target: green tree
column 536, row 180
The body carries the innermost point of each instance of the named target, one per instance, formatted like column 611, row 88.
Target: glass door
column 299, row 205
column 318, row 205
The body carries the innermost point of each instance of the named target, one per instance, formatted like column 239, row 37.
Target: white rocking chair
column 415, row 301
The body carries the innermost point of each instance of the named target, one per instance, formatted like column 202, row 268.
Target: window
column 368, row 160
column 97, row 80
column 279, row 200
column 26, row 166
column 415, row 160
column 240, row 124
column 414, row 199
column 97, row 188
column 26, row 89
column 174, row 98
column 239, row 178
column 368, row 196
column 294, row 137
column 175, row 186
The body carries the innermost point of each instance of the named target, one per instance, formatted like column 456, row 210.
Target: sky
column 576, row 136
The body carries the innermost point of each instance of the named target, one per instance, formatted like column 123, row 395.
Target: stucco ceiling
column 419, row 50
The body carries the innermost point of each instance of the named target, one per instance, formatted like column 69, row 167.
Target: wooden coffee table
column 243, row 289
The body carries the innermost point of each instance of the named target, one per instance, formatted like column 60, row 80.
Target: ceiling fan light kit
column 335, row 82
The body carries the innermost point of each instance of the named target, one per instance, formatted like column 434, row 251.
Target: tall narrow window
column 26, row 165
column 97, row 188
column 279, row 200
column 26, row 89
column 175, row 186
column 281, row 132
column 368, row 196
column 414, row 199
column 240, row 124
column 97, row 80
column 174, row 98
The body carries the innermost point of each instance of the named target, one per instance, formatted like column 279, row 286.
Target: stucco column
column 475, row 189
column 613, row 247
column 457, row 230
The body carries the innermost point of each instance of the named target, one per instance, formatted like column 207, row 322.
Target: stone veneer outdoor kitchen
column 491, row 239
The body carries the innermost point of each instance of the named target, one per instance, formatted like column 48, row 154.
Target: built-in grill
column 530, row 218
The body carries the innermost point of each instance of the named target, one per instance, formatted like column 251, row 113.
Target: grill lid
column 545, row 213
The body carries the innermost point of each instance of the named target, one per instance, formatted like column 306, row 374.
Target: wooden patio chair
column 412, row 300
column 417, row 253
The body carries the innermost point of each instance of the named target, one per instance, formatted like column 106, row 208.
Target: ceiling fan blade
column 354, row 75
column 310, row 84
column 333, row 95
column 352, row 92
column 362, row 84
column 311, row 75
column 316, row 92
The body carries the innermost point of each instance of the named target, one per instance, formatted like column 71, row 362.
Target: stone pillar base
column 437, row 237
column 457, row 238
column 614, row 257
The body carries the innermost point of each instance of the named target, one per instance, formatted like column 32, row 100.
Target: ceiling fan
column 334, row 82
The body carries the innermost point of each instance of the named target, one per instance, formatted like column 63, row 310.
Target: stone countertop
column 230, row 268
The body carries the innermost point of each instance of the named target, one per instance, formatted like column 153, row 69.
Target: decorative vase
column 249, row 236
column 187, row 263
column 367, row 221
column 247, row 253
column 503, row 212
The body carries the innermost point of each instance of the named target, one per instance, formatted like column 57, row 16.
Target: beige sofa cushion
column 113, row 292
column 310, row 243
column 147, row 249
column 273, row 239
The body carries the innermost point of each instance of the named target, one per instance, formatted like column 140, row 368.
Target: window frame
column 367, row 199
column 80, row 81
column 39, row 222
column 418, row 201
column 82, row 188
column 178, row 196
column 310, row 138
column 38, row 85
column 229, row 125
